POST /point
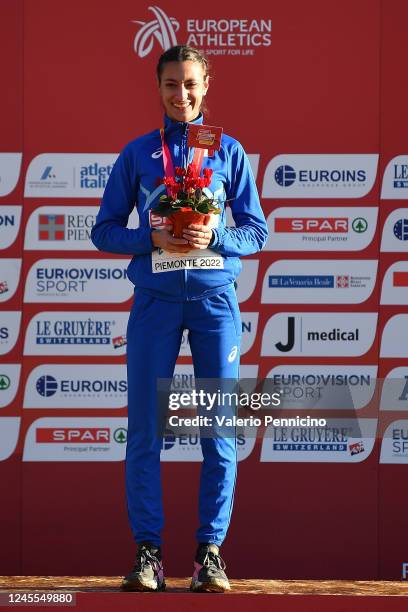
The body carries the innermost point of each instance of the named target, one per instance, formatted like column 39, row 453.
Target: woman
column 203, row 301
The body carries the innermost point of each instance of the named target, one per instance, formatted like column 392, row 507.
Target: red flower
column 180, row 171
column 207, row 172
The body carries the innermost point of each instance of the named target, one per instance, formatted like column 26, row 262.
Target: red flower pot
column 183, row 217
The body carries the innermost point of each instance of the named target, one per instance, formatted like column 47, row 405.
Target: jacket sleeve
column 110, row 232
column 251, row 231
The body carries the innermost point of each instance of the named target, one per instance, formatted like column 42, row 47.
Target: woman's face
column 182, row 88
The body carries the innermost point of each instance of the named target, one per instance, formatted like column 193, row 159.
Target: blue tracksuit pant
column 153, row 341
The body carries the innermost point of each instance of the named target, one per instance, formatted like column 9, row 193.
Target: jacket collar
column 172, row 127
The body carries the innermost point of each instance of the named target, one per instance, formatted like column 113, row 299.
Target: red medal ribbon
column 168, row 162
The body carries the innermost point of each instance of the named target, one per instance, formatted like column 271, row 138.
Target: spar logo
column 162, row 29
column 5, row 382
column 215, row 36
column 337, row 228
column 320, row 176
column 79, row 435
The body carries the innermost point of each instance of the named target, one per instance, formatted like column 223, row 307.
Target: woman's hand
column 198, row 236
column 163, row 239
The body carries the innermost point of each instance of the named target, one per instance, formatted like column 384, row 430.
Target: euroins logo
column 46, row 386
column 286, row 176
column 401, row 229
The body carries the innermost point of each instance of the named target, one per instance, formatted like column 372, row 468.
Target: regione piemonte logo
column 76, row 386
column 78, row 280
column 161, row 29
column 320, row 176
column 61, row 228
column 10, row 217
column 311, row 281
column 77, row 333
column 340, row 441
column 321, row 229
column 395, row 284
column 304, row 334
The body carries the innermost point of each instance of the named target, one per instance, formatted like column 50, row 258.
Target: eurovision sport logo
column 242, row 36
column 304, row 334
column 395, row 179
column 394, row 446
column 76, row 386
column 395, row 232
column 78, row 280
column 10, row 218
column 321, row 229
column 68, row 175
column 9, row 330
column 10, row 165
column 310, row 281
column 249, row 324
column 9, row 432
column 395, row 284
column 9, row 382
column 320, row 176
column 76, row 439
column 340, row 441
column 394, row 392
column 77, row 333
column 324, row 387
column 9, row 278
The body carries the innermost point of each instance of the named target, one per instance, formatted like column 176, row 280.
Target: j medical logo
column 9, row 278
column 394, row 446
column 75, row 333
column 224, row 36
column 394, row 392
column 78, row 280
column 321, row 387
column 394, row 342
column 10, row 217
column 334, row 281
column 9, row 330
column 340, row 441
column 10, row 164
column 76, row 386
column 76, row 439
column 69, row 175
column 318, row 229
column 9, row 382
column 320, row 176
column 9, row 431
column 182, row 447
column 395, row 180
column 395, row 284
column 395, row 232
column 61, row 228
column 306, row 334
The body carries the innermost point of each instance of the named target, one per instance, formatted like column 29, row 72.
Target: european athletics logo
column 163, row 29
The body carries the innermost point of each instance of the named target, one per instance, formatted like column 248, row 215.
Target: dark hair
column 182, row 53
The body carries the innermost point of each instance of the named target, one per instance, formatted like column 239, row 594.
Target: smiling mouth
column 181, row 106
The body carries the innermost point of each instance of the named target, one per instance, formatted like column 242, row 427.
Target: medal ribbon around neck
column 168, row 162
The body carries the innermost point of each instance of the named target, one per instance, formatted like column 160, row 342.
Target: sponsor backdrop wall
column 314, row 93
